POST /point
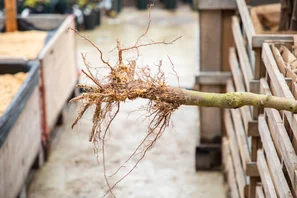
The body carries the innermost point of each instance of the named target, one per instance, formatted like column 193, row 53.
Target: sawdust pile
column 25, row 45
column 9, row 86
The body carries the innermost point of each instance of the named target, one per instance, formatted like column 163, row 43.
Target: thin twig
column 97, row 48
column 174, row 70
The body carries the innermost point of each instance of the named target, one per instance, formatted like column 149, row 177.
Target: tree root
column 126, row 81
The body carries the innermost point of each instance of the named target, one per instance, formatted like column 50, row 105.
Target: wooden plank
column 231, row 176
column 279, row 133
column 265, row 90
column 289, row 82
column 278, row 177
column 252, row 129
column 216, row 5
column 282, row 142
column 255, row 145
column 259, row 39
column 266, row 179
column 246, row 20
column 294, row 89
column 224, row 154
column 11, row 15
column 210, row 60
column 239, row 132
column 292, row 123
column 255, row 88
column 247, row 120
column 272, row 122
column 210, row 118
column 245, row 111
column 252, row 169
column 236, row 72
column 239, row 84
column 285, row 70
column 20, row 148
column 242, row 54
column 238, row 167
column 254, row 181
column 212, row 78
column 279, row 61
column 264, row 87
column 210, row 40
column 276, row 77
column 58, row 64
column 259, row 192
column 241, row 137
column 227, row 37
column 46, row 21
column 259, row 68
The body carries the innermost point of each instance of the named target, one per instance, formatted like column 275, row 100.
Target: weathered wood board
column 58, row 71
column 20, row 148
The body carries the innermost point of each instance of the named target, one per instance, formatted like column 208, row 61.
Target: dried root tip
column 81, row 113
column 77, row 98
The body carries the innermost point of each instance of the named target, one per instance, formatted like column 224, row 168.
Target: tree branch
column 238, row 99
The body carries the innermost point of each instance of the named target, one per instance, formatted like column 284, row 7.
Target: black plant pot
column 170, row 4
column 41, row 8
column 90, row 21
column 120, row 5
column 142, row 4
column 98, row 17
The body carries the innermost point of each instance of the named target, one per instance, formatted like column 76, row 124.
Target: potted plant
column 96, row 10
column 170, row 4
column 38, row 6
column 142, row 4
column 89, row 14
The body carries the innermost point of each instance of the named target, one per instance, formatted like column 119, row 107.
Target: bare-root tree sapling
column 126, row 81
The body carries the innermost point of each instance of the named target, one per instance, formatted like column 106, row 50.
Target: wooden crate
column 255, row 39
column 58, row 66
column 273, row 178
column 229, row 169
column 280, row 81
column 247, row 72
column 23, row 141
column 215, row 40
column 275, row 165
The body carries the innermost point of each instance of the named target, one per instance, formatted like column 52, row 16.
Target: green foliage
column 34, row 3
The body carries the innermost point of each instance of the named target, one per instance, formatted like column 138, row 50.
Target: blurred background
column 65, row 165
column 206, row 152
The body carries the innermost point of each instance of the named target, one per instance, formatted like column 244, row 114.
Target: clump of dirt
column 9, row 86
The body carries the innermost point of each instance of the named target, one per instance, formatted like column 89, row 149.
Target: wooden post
column 215, row 40
column 11, row 15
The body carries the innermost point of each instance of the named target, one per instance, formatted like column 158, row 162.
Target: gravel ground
column 167, row 171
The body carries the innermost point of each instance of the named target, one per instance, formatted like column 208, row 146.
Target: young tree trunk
column 238, row 99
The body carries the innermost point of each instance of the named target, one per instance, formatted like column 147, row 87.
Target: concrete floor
column 168, row 169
